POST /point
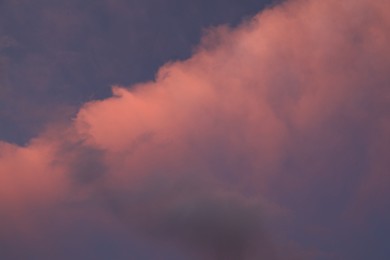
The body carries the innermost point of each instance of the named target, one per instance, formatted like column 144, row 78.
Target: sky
column 215, row 130
column 60, row 54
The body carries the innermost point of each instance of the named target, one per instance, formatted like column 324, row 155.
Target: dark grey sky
column 55, row 55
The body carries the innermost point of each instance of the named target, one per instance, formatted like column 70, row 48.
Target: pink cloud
column 271, row 132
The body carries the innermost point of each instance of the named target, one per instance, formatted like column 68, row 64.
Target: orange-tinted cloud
column 266, row 142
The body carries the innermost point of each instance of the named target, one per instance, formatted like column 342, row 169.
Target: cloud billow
column 269, row 142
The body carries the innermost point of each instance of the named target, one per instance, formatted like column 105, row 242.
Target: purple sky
column 60, row 54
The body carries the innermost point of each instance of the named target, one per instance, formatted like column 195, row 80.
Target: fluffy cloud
column 270, row 141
